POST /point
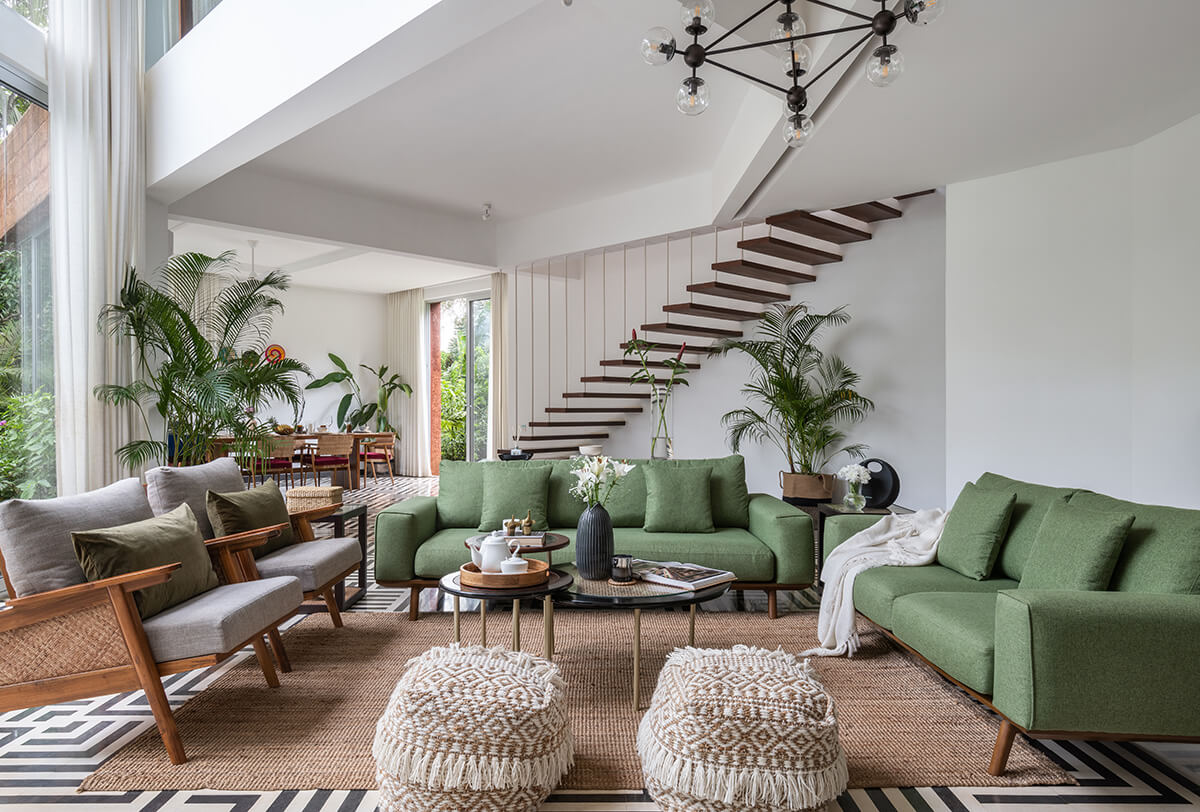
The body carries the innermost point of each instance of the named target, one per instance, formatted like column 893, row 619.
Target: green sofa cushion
column 728, row 548
column 953, row 630
column 460, row 493
column 562, row 509
column 513, row 491
column 727, row 485
column 1028, row 512
column 678, row 499
column 1162, row 551
column 626, row 504
column 173, row 537
column 1076, row 548
column 876, row 590
column 239, row 511
column 975, row 530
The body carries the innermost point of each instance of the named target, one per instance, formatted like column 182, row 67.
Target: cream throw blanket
column 908, row 540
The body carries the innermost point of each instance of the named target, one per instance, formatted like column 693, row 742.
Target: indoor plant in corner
column 799, row 398
column 362, row 412
column 595, row 477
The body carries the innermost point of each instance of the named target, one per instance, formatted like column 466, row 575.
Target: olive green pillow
column 460, row 493
column 171, row 538
column 240, row 511
column 678, row 499
column 514, row 491
column 975, row 529
column 1076, row 548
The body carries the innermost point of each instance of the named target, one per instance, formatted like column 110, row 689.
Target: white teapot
column 494, row 550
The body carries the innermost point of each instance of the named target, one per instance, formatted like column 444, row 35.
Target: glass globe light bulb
column 692, row 97
column 704, row 9
column 927, row 11
column 789, row 28
column 658, row 46
column 797, row 58
column 885, row 66
column 797, row 129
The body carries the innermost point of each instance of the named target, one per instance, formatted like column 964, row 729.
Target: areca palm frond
column 806, row 396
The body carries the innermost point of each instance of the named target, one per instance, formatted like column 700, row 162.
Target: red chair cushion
column 333, row 460
column 374, row 455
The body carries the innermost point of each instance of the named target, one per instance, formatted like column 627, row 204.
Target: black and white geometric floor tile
column 45, row 753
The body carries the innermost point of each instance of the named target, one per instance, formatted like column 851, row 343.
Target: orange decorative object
column 275, row 354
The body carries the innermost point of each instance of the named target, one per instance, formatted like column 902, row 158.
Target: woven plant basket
column 313, row 496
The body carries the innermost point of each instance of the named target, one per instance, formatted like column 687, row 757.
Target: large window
column 36, row 11
column 27, row 467
column 466, row 347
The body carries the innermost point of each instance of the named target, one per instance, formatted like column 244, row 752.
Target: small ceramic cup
column 514, row 566
column 622, row 568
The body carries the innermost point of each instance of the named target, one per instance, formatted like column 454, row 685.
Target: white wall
column 316, row 322
column 1069, row 344
column 893, row 286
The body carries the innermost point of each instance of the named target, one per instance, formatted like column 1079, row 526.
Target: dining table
column 358, row 436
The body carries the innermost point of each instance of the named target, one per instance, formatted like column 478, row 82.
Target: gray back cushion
column 35, row 534
column 168, row 488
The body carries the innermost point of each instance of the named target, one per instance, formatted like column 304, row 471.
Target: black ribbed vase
column 594, row 544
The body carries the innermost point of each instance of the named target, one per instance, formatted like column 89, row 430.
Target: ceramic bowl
column 591, row 450
column 514, row 566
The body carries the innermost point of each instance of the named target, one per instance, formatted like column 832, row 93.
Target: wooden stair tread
column 691, row 330
column 871, row 212
column 698, row 349
column 911, row 195
column 610, row 379
column 712, row 311
column 765, row 273
column 813, row 225
column 609, row 395
column 566, row 424
column 793, row 252
column 742, row 294
column 597, row 410
column 633, row 362
column 533, row 438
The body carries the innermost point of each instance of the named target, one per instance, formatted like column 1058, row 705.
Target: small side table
column 338, row 519
column 824, row 511
column 558, row 582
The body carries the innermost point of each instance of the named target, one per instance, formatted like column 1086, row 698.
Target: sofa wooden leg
column 1004, row 743
column 331, row 604
column 414, row 603
column 285, row 665
column 772, row 604
column 265, row 662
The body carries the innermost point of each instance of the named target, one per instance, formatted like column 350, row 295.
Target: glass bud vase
column 854, row 499
column 660, row 424
column 594, row 544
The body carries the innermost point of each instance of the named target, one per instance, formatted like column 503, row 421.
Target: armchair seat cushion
column 314, row 563
column 876, row 590
column 221, row 619
column 956, row 631
column 331, row 460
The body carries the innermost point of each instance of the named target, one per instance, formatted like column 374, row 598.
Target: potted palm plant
column 800, row 398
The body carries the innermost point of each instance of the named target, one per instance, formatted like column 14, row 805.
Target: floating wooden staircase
column 709, row 306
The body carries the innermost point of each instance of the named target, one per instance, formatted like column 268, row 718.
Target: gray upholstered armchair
column 66, row 638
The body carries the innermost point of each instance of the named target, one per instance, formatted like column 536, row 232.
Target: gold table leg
column 692, row 625
column 637, row 659
column 457, row 630
column 516, row 633
column 483, row 622
column 548, row 627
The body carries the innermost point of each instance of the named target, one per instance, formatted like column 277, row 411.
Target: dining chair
column 276, row 459
column 332, row 454
column 376, row 450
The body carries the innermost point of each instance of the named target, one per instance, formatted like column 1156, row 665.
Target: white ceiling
column 320, row 264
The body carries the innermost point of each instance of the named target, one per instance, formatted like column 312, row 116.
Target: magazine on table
column 680, row 575
column 535, row 539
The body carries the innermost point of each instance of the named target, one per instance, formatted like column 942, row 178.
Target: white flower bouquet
column 595, row 477
column 855, row 474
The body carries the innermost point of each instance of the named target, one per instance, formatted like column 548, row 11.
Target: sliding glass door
column 465, row 332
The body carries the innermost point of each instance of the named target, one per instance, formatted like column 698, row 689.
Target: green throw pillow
column 254, row 509
column 514, row 491
column 974, row 530
column 678, row 499
column 1076, row 548
column 460, row 493
column 167, row 539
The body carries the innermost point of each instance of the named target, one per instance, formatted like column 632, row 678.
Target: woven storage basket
column 742, row 730
column 472, row 729
column 315, row 496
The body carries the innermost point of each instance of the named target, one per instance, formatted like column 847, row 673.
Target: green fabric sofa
column 1119, row 663
column 766, row 542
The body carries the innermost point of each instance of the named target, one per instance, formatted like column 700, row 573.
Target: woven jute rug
column 901, row 724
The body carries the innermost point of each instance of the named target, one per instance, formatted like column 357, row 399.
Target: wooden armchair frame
column 87, row 640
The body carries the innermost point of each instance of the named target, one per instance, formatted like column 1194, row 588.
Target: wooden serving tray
column 538, row 573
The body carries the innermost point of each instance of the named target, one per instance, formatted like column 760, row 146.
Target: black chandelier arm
column 758, row 13
column 839, row 8
column 737, row 72
column 832, row 31
column 832, row 64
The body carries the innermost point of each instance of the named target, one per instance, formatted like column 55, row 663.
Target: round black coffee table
column 557, row 582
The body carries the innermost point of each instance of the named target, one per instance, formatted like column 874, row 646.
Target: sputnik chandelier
column 789, row 37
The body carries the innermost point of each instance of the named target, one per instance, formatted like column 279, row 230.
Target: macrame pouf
column 741, row 730
column 472, row 729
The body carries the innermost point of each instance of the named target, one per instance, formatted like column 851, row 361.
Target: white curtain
column 407, row 352
column 97, row 203
column 501, row 432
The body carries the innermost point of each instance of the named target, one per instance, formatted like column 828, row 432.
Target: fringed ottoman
column 472, row 729
column 743, row 730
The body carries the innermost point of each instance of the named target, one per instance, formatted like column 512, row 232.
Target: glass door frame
column 469, row 428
